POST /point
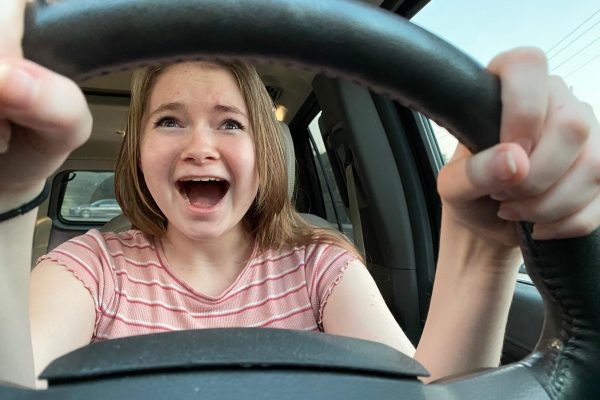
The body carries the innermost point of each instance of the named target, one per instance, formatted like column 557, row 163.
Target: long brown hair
column 271, row 217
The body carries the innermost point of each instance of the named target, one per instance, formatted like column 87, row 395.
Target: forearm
column 471, row 298
column 16, row 355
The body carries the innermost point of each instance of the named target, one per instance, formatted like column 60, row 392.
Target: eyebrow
column 229, row 109
column 176, row 106
column 168, row 107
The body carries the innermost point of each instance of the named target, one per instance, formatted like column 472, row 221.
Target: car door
column 409, row 162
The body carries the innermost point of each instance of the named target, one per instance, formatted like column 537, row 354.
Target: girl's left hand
column 545, row 170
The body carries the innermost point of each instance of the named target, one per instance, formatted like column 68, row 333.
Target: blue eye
column 167, row 122
column 231, row 124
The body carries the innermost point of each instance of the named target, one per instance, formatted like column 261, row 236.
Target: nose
column 200, row 147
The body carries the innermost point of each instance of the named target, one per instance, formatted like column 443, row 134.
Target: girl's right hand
column 43, row 115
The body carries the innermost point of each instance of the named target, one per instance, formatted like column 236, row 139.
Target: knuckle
column 574, row 127
column 527, row 117
column 519, row 55
column 530, row 54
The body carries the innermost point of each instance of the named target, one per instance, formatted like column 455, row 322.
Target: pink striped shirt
column 136, row 292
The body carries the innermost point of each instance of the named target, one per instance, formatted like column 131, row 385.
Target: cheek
column 244, row 158
column 246, row 165
column 155, row 155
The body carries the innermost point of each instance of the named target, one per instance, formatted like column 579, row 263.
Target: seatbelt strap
column 354, row 209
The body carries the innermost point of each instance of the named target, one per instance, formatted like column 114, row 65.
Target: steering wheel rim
column 437, row 79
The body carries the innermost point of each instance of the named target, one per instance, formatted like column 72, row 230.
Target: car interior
column 358, row 161
column 333, row 181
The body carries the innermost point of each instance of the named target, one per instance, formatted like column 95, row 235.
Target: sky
column 485, row 28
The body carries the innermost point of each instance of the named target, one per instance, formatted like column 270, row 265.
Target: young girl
column 216, row 241
column 214, row 245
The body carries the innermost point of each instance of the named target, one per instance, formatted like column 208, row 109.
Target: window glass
column 334, row 206
column 89, row 197
column 446, row 142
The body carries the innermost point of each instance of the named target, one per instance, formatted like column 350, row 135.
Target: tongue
column 204, row 195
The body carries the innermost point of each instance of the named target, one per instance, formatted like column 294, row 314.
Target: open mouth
column 203, row 192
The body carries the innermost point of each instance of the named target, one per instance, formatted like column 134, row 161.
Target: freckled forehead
column 197, row 82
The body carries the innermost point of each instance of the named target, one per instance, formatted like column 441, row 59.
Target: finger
column 471, row 177
column 574, row 191
column 582, row 223
column 12, row 13
column 523, row 74
column 52, row 105
column 567, row 131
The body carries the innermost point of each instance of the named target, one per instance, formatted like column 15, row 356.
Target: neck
column 225, row 255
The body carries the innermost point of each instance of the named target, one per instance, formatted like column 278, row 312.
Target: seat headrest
column 290, row 157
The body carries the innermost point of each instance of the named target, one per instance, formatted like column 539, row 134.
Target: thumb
column 469, row 177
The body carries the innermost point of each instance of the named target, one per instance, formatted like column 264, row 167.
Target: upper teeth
column 204, row 179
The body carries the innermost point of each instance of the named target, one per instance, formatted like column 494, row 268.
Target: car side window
column 446, row 144
column 445, row 141
column 334, row 206
column 89, row 198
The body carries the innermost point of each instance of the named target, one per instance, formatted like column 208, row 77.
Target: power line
column 573, row 31
column 572, row 56
column 574, row 40
column 583, row 65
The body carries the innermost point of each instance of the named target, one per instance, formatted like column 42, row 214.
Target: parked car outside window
column 89, row 197
column 107, row 208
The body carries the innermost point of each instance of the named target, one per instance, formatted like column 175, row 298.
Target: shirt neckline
column 169, row 270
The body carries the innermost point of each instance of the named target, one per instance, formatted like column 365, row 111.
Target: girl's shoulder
column 131, row 239
column 310, row 255
column 100, row 244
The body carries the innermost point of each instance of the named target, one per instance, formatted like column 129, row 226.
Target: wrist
column 19, row 196
column 475, row 253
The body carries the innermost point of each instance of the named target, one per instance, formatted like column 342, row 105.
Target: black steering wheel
column 83, row 39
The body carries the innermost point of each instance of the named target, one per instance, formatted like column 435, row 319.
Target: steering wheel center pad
column 85, row 38
column 229, row 348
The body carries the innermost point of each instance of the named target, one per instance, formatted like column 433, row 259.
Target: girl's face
column 197, row 151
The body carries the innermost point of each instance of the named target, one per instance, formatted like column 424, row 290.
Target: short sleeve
column 87, row 258
column 325, row 267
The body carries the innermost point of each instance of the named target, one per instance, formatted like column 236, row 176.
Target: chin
column 204, row 231
column 202, row 235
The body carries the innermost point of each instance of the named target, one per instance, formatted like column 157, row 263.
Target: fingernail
column 508, row 167
column 512, row 164
column 508, row 214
